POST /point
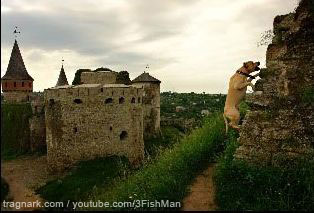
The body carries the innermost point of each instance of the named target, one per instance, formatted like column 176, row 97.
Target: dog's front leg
column 251, row 79
column 242, row 85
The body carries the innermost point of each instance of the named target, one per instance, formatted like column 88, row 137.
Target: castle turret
column 62, row 80
column 151, row 103
column 17, row 84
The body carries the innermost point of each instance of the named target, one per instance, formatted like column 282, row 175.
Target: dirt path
column 24, row 175
column 201, row 196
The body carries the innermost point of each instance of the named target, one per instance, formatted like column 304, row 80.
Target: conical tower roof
column 62, row 80
column 16, row 69
column 145, row 77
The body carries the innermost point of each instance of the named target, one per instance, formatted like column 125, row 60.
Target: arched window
column 110, row 128
column 133, row 100
column 121, row 100
column 75, row 129
column 123, row 135
column 78, row 101
column 108, row 101
column 102, row 90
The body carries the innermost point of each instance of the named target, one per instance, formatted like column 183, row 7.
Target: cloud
column 191, row 45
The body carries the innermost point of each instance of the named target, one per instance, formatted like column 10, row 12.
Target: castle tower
column 151, row 103
column 17, row 84
column 62, row 80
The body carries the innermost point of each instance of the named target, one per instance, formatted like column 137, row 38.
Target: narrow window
column 102, row 90
column 110, row 128
column 121, row 100
column 112, row 93
column 51, row 102
column 14, row 84
column 123, row 92
column 123, row 135
column 35, row 109
column 108, row 101
column 75, row 129
column 6, row 84
column 22, row 84
column 30, row 84
column 133, row 100
column 139, row 100
column 78, row 101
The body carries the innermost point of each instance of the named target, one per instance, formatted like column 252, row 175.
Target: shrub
column 4, row 189
column 15, row 129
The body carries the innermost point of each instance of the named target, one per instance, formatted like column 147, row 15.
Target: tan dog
column 237, row 89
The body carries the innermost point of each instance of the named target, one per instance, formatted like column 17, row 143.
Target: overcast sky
column 190, row 45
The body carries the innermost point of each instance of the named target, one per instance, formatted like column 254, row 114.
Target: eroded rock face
column 280, row 126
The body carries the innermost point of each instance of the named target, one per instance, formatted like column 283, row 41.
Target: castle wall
column 37, row 125
column 16, row 96
column 105, row 120
column 151, row 104
column 105, row 77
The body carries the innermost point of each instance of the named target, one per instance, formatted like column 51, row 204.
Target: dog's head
column 251, row 66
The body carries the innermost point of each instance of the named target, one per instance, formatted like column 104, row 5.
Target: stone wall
column 151, row 104
column 17, row 96
column 37, row 125
column 101, row 77
column 87, row 121
column 280, row 127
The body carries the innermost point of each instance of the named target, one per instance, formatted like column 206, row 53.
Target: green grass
column 168, row 176
column 170, row 136
column 14, row 130
column 87, row 176
column 308, row 95
column 4, row 189
column 243, row 186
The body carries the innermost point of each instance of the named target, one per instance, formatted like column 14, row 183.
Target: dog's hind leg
column 226, row 123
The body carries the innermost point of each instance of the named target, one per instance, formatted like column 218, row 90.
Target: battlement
column 109, row 93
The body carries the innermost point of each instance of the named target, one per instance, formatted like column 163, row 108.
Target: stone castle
column 104, row 114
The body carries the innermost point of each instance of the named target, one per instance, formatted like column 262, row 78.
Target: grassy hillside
column 242, row 186
column 14, row 129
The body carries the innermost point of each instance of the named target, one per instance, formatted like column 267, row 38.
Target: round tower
column 17, row 84
column 151, row 103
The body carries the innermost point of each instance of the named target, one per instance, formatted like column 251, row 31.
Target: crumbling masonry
column 280, row 127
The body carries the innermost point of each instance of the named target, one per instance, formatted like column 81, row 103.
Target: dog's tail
column 226, row 123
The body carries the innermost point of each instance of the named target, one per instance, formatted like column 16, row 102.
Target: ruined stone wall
column 280, row 127
column 37, row 125
column 151, row 104
column 104, row 77
column 87, row 121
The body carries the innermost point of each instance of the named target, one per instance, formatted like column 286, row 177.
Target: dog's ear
column 245, row 64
